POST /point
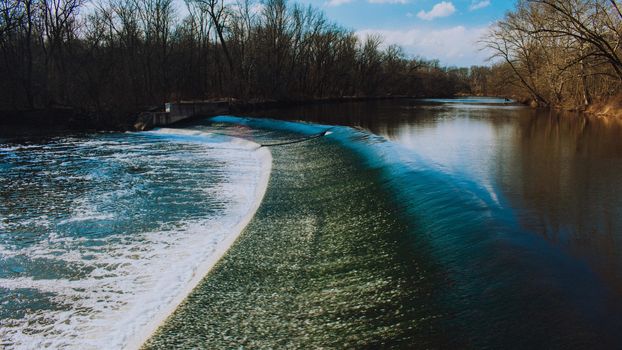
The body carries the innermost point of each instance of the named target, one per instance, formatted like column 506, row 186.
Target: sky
column 447, row 30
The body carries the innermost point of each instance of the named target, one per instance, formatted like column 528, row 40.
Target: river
column 556, row 173
column 438, row 223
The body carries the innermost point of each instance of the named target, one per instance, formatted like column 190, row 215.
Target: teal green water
column 361, row 243
column 99, row 232
column 450, row 224
column 322, row 264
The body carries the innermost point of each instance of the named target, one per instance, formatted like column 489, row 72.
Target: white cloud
column 452, row 46
column 476, row 5
column 442, row 9
column 388, row 1
column 338, row 2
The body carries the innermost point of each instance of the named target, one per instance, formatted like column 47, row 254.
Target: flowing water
column 101, row 234
column 557, row 175
column 441, row 223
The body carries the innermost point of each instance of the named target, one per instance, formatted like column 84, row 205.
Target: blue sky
column 444, row 29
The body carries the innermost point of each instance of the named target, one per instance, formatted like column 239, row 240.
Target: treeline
column 127, row 55
column 557, row 53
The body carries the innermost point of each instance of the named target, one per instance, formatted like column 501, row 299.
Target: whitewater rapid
column 126, row 283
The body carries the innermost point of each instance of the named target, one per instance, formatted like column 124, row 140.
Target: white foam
column 132, row 283
column 233, row 142
column 265, row 158
column 87, row 217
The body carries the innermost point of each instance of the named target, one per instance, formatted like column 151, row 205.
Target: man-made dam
column 459, row 224
column 177, row 111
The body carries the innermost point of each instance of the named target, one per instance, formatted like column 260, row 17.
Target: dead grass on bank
column 610, row 108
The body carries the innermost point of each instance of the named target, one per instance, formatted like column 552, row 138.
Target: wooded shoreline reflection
column 572, row 190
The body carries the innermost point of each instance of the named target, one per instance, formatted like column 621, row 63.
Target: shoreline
column 70, row 119
column 60, row 119
column 265, row 157
column 609, row 109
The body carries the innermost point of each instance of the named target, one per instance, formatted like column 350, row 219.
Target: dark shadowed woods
column 128, row 55
column 113, row 58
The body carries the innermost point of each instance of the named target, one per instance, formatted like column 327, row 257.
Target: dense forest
column 117, row 57
column 556, row 53
column 128, row 55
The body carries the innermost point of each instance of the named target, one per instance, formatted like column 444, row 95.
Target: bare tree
column 563, row 53
column 119, row 56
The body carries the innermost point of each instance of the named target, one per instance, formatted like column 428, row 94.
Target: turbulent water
column 435, row 224
column 101, row 233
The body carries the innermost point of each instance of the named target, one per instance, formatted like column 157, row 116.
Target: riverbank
column 175, row 112
column 62, row 119
column 610, row 108
column 66, row 118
